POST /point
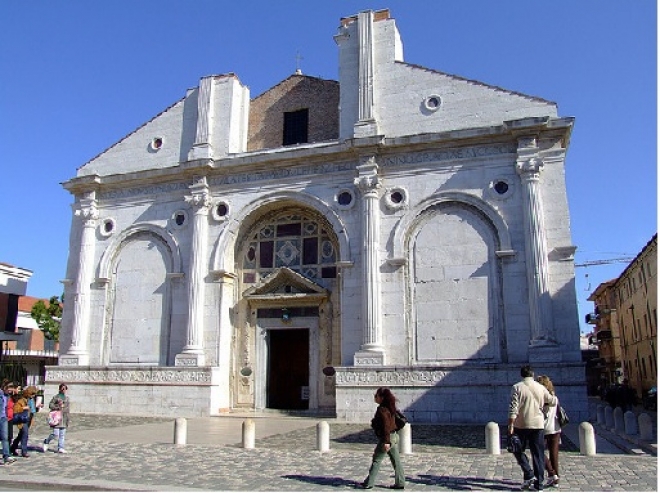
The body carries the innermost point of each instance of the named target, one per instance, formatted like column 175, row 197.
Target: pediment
column 286, row 285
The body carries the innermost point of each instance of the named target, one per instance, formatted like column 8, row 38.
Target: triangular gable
column 285, row 283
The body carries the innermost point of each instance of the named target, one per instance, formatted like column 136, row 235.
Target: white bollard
column 587, row 439
column 609, row 417
column 248, row 433
column 493, row 439
column 630, row 423
column 405, row 439
column 600, row 414
column 180, row 431
column 645, row 427
column 619, row 425
column 323, row 436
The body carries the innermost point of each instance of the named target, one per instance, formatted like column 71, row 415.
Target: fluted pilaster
column 368, row 183
column 87, row 213
column 199, row 200
column 529, row 166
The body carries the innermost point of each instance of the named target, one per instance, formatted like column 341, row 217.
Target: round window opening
column 157, row 143
column 221, row 209
column 180, row 218
column 501, row 187
column 344, row 198
column 397, row 197
column 108, row 226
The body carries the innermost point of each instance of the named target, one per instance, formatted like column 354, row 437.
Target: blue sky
column 77, row 76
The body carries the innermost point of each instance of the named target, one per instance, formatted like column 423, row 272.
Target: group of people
column 533, row 420
column 18, row 408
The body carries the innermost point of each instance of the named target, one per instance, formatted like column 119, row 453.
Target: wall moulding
column 131, row 375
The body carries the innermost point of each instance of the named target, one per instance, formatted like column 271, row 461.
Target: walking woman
column 384, row 426
column 552, row 431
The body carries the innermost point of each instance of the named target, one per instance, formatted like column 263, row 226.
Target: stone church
column 399, row 227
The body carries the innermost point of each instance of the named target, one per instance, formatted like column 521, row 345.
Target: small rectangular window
column 295, row 127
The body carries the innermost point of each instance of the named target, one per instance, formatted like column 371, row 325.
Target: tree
column 49, row 317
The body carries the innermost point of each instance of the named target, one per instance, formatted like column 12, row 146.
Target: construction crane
column 620, row 260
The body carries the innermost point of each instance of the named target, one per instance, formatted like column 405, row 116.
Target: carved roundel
column 107, row 227
column 432, row 103
column 500, row 188
column 220, row 210
column 179, row 219
column 345, row 199
column 396, row 198
column 156, row 143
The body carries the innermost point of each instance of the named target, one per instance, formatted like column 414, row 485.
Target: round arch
column 404, row 226
column 223, row 257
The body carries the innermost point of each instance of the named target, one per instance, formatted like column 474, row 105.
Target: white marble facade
column 426, row 247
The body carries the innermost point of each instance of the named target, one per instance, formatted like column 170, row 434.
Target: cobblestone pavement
column 444, row 458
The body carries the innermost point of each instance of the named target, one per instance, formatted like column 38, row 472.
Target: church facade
column 400, row 227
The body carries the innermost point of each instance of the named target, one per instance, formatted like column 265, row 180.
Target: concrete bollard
column 493, row 439
column 600, row 414
column 248, row 433
column 645, row 427
column 609, row 417
column 405, row 439
column 619, row 425
column 630, row 423
column 180, row 431
column 323, row 436
column 587, row 439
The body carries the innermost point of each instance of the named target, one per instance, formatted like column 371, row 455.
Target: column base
column 200, row 151
column 73, row 360
column 365, row 128
column 185, row 359
column 544, row 351
column 369, row 358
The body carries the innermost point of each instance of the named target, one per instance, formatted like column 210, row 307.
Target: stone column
column 78, row 353
column 371, row 352
column 199, row 200
column 529, row 166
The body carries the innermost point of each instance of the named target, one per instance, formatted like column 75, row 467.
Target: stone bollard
column 493, row 438
column 180, row 431
column 630, row 423
column 405, row 439
column 609, row 418
column 248, row 433
column 587, row 439
column 600, row 414
column 323, row 436
column 645, row 427
column 619, row 425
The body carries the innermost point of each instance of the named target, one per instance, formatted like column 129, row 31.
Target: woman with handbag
column 552, row 430
column 384, row 425
column 21, row 420
column 58, row 419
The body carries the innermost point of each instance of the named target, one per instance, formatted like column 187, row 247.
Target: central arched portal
column 287, row 329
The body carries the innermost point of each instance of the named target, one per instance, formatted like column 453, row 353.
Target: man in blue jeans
column 4, row 429
column 526, row 420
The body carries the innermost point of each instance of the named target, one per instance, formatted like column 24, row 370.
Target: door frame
column 264, row 325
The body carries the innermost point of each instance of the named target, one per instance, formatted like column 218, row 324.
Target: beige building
column 625, row 318
column 637, row 300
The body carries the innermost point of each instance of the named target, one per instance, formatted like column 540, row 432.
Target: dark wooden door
column 288, row 368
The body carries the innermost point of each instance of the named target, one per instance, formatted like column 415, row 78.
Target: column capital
column 529, row 166
column 367, row 179
column 199, row 197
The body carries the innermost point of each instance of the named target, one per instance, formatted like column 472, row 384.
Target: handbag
column 562, row 416
column 513, row 444
column 399, row 420
column 22, row 417
column 54, row 418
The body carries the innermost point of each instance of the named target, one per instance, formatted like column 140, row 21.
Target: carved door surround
column 284, row 291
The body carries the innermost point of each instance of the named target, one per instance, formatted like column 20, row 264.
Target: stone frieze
column 131, row 376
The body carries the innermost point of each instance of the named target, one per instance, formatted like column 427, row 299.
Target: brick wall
column 321, row 97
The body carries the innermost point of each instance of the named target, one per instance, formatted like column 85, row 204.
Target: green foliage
column 49, row 318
